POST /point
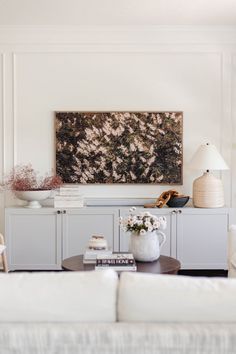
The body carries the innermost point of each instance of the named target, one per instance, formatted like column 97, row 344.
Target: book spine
column 69, row 192
column 69, row 204
column 96, row 253
column 115, row 262
column 89, row 261
column 69, row 197
column 118, row 269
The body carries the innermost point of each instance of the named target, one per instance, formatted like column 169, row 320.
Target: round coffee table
column 164, row 265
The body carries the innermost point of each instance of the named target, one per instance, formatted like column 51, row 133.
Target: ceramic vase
column 146, row 248
column 33, row 197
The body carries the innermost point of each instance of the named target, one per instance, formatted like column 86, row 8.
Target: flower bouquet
column 142, row 222
column 146, row 237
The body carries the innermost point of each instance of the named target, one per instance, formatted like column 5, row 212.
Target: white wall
column 46, row 69
column 121, row 12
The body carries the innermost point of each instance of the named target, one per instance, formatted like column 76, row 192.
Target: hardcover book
column 116, row 260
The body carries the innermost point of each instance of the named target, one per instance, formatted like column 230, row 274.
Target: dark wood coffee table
column 164, row 265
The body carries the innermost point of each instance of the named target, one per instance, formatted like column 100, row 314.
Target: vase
column 146, row 248
column 33, row 197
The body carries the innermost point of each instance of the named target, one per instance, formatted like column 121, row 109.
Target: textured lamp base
column 208, row 192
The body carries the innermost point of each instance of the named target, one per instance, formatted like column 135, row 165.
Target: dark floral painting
column 119, row 147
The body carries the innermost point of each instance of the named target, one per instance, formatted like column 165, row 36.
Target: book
column 90, row 256
column 118, row 261
column 68, row 197
column 118, row 269
column 89, row 261
column 92, row 253
column 68, row 204
column 69, row 191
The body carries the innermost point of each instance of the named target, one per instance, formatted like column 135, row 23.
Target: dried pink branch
column 25, row 178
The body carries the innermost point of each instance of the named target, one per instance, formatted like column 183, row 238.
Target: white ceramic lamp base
column 208, row 192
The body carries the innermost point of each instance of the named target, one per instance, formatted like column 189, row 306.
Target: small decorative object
column 207, row 189
column 171, row 198
column 178, row 201
column 27, row 185
column 145, row 230
column 119, row 147
column 33, row 197
column 97, row 246
column 97, row 242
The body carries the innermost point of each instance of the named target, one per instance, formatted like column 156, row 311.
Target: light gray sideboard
column 40, row 238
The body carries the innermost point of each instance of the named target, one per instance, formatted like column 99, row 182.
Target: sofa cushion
column 169, row 298
column 58, row 296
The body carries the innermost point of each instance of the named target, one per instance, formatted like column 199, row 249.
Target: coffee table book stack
column 117, row 261
column 69, row 197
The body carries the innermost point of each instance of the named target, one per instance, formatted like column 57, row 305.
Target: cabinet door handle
column 173, row 212
column 64, row 211
column 180, row 211
column 58, row 212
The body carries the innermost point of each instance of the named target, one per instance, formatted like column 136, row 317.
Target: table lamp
column 207, row 189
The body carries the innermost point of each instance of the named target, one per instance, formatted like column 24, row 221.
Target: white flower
column 132, row 209
column 143, row 220
column 156, row 224
column 163, row 222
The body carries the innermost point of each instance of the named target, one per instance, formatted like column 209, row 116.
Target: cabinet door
column 202, row 238
column 166, row 249
column 80, row 224
column 33, row 239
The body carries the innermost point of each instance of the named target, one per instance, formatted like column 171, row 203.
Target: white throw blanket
column 117, row 338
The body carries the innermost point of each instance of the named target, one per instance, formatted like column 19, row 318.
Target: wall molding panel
column 2, row 120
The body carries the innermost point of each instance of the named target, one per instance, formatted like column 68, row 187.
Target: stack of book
column 90, row 256
column 69, row 197
column 117, row 261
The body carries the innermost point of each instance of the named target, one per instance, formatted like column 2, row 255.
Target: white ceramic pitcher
column 146, row 248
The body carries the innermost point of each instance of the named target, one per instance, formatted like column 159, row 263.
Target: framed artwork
column 119, row 147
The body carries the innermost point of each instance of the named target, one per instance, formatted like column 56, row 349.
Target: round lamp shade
column 207, row 157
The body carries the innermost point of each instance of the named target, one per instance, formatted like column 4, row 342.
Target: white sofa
column 95, row 312
column 232, row 252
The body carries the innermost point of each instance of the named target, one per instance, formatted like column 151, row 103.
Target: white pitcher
column 146, row 248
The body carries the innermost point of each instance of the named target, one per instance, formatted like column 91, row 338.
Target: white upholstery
column 164, row 298
column 232, row 252
column 117, row 338
column 2, row 248
column 59, row 296
column 53, row 313
column 3, row 253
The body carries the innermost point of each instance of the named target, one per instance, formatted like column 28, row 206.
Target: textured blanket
column 117, row 338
